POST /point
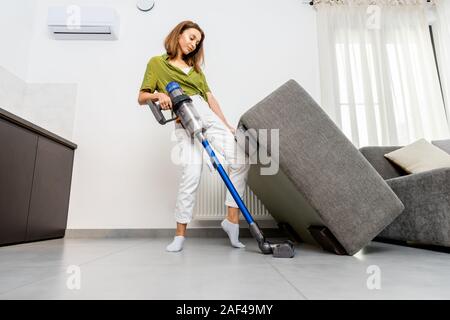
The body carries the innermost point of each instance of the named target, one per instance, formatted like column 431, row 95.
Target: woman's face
column 189, row 40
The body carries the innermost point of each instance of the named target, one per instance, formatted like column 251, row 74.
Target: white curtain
column 379, row 80
column 441, row 33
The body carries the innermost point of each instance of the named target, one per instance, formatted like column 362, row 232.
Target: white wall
column 48, row 105
column 123, row 176
column 12, row 90
column 16, row 22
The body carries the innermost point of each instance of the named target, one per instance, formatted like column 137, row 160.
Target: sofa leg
column 290, row 232
column 326, row 240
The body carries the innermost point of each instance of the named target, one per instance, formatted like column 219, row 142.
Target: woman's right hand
column 164, row 101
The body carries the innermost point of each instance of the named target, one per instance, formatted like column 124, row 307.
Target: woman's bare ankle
column 181, row 229
column 233, row 214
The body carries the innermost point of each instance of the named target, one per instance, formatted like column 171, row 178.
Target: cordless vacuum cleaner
column 184, row 109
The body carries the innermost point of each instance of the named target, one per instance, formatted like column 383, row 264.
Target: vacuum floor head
column 283, row 250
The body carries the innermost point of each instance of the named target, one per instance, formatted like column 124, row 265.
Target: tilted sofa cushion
column 336, row 185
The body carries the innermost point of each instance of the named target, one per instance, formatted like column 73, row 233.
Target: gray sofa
column 426, row 196
column 325, row 191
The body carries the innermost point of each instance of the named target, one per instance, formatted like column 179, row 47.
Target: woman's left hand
column 233, row 130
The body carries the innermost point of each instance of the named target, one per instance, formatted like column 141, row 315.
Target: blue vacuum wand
column 192, row 123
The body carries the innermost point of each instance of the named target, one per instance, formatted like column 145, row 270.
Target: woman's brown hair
column 194, row 58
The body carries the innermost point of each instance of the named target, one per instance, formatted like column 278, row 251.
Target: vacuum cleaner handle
column 157, row 112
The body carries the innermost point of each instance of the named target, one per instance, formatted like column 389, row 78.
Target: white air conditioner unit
column 74, row 22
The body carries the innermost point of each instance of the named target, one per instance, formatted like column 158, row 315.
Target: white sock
column 232, row 229
column 176, row 245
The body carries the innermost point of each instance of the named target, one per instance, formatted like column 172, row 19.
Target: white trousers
column 192, row 155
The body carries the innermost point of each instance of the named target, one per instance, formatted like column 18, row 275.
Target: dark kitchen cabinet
column 35, row 179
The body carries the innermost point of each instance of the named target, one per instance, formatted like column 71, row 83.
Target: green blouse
column 160, row 72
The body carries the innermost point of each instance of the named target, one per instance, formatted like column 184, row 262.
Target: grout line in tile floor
column 290, row 283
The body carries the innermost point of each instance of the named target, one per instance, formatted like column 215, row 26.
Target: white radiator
column 210, row 202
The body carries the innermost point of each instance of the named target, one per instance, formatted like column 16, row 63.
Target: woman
column 181, row 63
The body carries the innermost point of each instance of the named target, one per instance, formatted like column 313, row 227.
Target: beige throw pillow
column 419, row 156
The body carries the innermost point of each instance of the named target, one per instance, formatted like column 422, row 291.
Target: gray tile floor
column 211, row 269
